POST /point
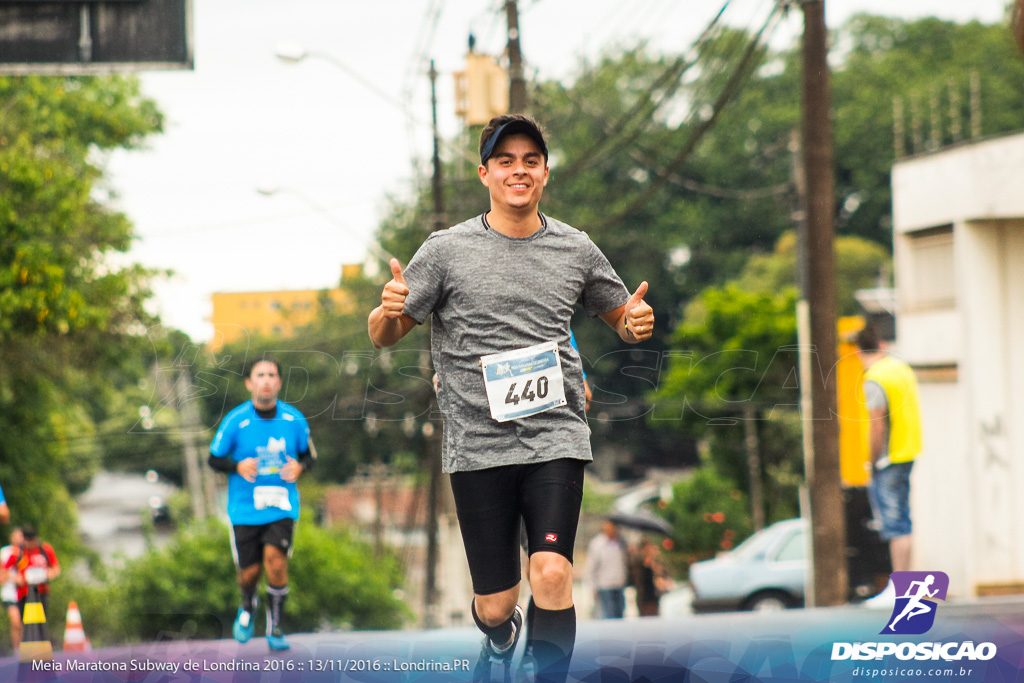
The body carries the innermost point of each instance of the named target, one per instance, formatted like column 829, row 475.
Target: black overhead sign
column 84, row 37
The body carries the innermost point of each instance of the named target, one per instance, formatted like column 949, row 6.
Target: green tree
column 736, row 361
column 71, row 318
column 859, row 264
column 708, row 514
column 917, row 61
column 336, row 581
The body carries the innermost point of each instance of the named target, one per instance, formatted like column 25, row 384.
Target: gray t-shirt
column 490, row 293
column 874, row 396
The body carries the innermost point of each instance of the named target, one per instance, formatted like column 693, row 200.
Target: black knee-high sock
column 276, row 596
column 531, row 612
column 249, row 600
column 500, row 634
column 551, row 638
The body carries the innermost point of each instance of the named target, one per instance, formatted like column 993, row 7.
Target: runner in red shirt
column 36, row 565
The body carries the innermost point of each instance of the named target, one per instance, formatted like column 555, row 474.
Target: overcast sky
column 333, row 146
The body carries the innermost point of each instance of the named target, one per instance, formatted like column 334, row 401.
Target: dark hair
column 867, row 339
column 29, row 532
column 500, row 126
column 256, row 361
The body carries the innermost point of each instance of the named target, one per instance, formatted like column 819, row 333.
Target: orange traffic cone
column 74, row 634
column 35, row 644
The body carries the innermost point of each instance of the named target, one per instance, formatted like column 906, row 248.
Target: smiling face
column 264, row 383
column 515, row 174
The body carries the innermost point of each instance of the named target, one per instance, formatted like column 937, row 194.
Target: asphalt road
column 112, row 510
column 794, row 645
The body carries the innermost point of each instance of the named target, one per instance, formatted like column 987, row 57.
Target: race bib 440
column 523, row 382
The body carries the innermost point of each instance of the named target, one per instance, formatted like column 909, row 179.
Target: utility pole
column 433, row 450
column 430, row 593
column 516, row 82
column 189, row 422
column 803, row 335
column 827, row 515
column 378, row 473
column 436, row 183
column 754, row 466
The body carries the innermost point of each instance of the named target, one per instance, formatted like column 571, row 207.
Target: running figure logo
column 916, row 592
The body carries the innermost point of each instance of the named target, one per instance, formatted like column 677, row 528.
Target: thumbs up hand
column 392, row 299
column 639, row 316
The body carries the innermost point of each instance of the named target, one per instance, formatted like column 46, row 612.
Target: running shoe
column 495, row 663
column 243, row 628
column 276, row 641
column 884, row 600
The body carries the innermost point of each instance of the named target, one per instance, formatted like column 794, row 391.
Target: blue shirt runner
column 244, row 434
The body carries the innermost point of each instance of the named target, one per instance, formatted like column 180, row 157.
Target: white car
column 766, row 572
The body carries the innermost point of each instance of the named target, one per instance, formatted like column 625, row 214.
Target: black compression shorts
column 490, row 503
column 248, row 540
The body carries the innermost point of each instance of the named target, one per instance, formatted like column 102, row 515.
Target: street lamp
column 293, row 53
column 372, row 248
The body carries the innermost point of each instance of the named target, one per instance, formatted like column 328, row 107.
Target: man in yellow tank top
column 894, row 435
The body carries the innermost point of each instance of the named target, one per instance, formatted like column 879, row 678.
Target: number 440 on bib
column 523, row 382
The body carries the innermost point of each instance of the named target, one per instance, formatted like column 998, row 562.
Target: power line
column 729, row 193
column 645, row 157
column 731, row 89
column 496, row 14
column 382, row 94
column 645, row 106
column 417, row 63
column 632, row 13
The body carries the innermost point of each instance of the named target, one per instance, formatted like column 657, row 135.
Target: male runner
column 501, row 288
column 263, row 445
column 33, row 563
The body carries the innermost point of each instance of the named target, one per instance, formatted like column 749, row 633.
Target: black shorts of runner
column 248, row 540
column 490, row 503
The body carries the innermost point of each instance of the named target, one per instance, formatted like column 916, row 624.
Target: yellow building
column 237, row 315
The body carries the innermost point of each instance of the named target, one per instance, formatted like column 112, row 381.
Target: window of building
column 930, row 283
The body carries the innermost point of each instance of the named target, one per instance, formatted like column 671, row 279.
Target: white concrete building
column 958, row 226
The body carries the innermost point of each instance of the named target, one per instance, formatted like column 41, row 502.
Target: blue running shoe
column 276, row 641
column 243, row 628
